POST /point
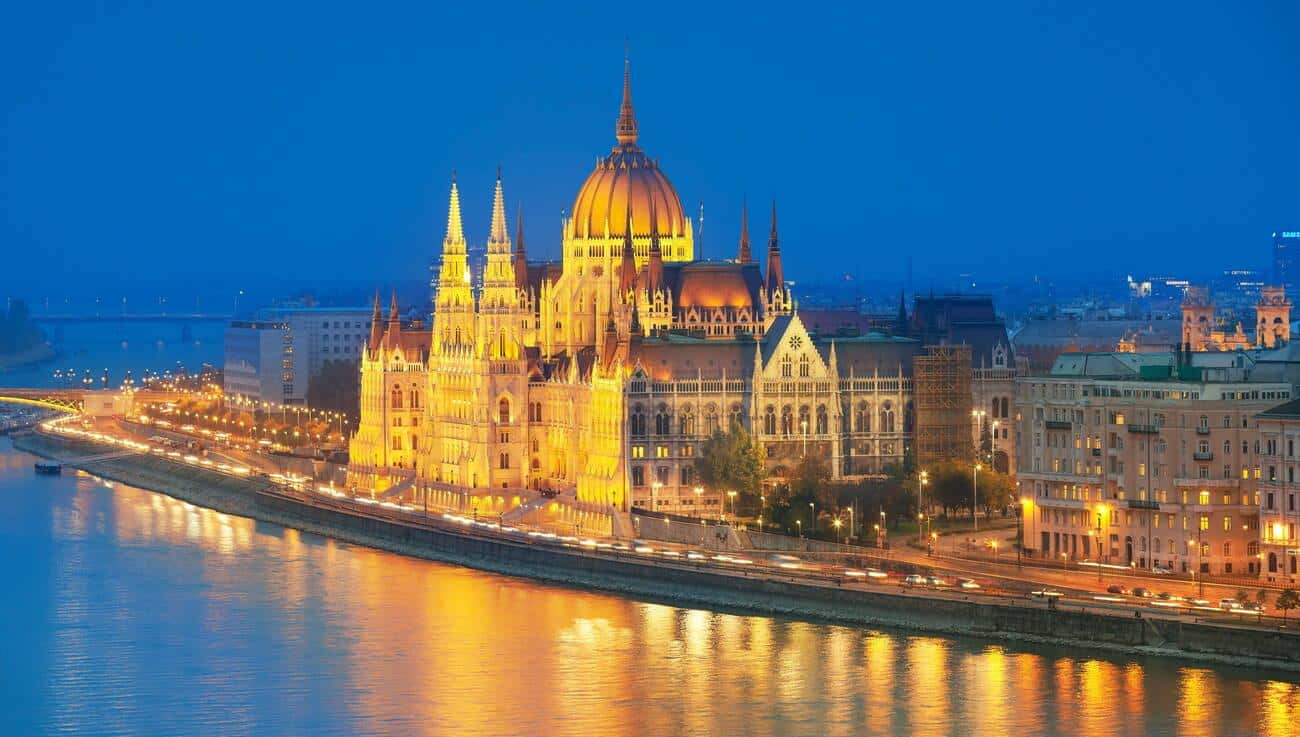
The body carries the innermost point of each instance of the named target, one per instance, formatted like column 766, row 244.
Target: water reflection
column 168, row 618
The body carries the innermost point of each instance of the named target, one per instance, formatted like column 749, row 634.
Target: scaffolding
column 942, row 380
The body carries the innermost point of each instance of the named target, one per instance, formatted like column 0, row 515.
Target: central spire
column 626, row 130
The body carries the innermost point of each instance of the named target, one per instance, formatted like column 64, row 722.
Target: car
column 1199, row 602
column 1253, row 606
column 784, row 561
column 1142, row 593
column 1116, row 589
column 1228, row 604
column 1045, row 594
column 876, row 573
column 914, row 580
column 1166, row 596
column 1162, row 570
column 935, row 581
column 967, row 583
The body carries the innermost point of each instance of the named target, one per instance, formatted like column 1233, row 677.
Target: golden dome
column 627, row 173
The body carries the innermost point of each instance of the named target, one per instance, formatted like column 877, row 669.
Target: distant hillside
column 21, row 341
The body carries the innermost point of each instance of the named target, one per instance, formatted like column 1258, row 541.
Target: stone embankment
column 736, row 589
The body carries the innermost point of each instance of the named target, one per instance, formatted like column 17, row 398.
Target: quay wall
column 682, row 582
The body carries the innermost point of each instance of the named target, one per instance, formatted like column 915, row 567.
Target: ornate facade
column 600, row 377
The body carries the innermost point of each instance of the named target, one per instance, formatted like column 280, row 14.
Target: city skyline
column 891, row 143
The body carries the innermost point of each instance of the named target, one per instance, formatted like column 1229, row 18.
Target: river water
column 130, row 613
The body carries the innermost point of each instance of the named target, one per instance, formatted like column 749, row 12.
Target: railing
column 1142, row 504
column 1207, row 455
column 1202, row 430
column 1147, row 429
column 1059, row 425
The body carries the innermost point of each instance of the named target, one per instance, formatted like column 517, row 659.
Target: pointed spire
column 743, row 255
column 627, row 270
column 521, row 258
column 498, row 237
column 455, row 230
column 376, row 326
column 394, row 331
column 626, row 130
column 654, row 267
column 775, row 274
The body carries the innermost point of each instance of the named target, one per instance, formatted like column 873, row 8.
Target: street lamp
column 1101, row 510
column 836, row 523
column 921, row 480
column 732, row 496
column 812, row 518
column 799, row 524
column 974, row 497
column 803, row 424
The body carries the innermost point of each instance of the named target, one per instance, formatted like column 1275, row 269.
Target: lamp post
column 851, row 523
column 1101, row 510
column 803, row 425
column 993, row 445
column 978, row 416
column 799, row 524
column 762, row 507
column 812, row 518
column 732, row 496
column 922, row 479
column 974, row 499
column 836, row 523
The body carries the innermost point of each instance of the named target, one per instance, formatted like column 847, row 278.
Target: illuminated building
column 1279, row 494
column 601, row 376
column 1202, row 331
column 1156, row 455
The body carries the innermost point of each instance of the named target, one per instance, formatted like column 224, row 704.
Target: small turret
column 775, row 274
column 654, row 268
column 743, row 254
column 521, row 258
column 376, row 325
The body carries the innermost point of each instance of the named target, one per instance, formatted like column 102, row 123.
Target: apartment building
column 1279, row 494
column 1146, row 460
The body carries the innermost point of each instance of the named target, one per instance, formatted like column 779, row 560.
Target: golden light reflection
column 400, row 645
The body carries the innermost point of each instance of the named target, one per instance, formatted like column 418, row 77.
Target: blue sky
column 239, row 141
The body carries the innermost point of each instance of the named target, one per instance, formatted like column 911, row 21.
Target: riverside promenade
column 723, row 582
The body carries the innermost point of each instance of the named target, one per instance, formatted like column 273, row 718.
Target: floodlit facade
column 1279, row 494
column 599, row 377
column 1146, row 460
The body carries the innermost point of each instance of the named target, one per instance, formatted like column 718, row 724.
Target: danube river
column 130, row 613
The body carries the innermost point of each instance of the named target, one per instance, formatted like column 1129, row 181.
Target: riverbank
column 749, row 591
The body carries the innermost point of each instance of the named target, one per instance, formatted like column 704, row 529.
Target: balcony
column 1059, row 425
column 1207, row 455
column 1146, row 429
column 1202, row 430
column 1142, row 504
column 1096, row 452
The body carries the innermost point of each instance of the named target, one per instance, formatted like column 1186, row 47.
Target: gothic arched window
column 862, row 420
column 661, row 421
column 769, row 420
column 805, row 367
column 887, row 418
column 503, row 411
column 787, row 420
column 711, row 419
column 638, row 420
column 786, row 367
column 686, row 422
column 823, row 420
column 396, row 400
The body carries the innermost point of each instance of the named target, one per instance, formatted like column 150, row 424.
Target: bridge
column 133, row 317
column 85, row 401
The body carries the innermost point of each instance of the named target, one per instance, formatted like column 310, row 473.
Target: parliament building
column 597, row 379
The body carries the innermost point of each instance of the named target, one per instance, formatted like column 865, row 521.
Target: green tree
column 1242, row 597
column 731, row 461
column 336, row 388
column 1287, row 600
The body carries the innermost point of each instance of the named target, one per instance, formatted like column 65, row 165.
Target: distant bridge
column 83, row 401
column 133, row 317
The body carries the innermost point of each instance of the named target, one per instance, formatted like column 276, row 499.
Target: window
column 1205, row 522
column 803, row 367
column 661, row 420
column 505, row 461
column 769, row 420
column 397, row 442
column 787, row 368
column 823, row 421
column 862, row 418
column 638, row 421
column 686, row 422
column 503, row 412
column 396, row 399
column 638, row 475
column 787, row 420
column 887, row 418
column 1227, row 523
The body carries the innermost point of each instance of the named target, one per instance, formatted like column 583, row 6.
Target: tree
column 731, row 461
column 336, row 388
column 1242, row 597
column 1261, row 598
column 1288, row 599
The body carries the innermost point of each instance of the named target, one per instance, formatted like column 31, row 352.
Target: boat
column 49, row 468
